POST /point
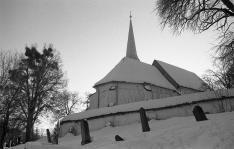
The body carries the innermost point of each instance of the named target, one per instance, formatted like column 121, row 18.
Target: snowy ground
column 174, row 133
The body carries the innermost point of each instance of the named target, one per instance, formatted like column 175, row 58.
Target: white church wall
column 107, row 95
column 112, row 93
column 159, row 92
column 185, row 90
column 66, row 127
column 95, row 124
column 130, row 92
column 125, row 119
column 93, row 101
column 185, row 110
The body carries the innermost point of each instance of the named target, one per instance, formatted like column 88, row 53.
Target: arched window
column 112, row 88
column 147, row 87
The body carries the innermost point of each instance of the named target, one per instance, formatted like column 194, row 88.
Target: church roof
column 183, row 77
column 135, row 71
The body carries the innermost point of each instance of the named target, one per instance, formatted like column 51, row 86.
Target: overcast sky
column 91, row 36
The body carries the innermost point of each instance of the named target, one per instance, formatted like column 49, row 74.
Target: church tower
column 131, row 47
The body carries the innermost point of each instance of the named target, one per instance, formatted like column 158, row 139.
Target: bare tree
column 86, row 101
column 9, row 94
column 197, row 15
column 67, row 104
column 219, row 78
column 38, row 76
column 225, row 50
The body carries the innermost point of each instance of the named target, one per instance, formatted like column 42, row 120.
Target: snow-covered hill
column 174, row 133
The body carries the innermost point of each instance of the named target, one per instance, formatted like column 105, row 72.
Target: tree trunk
column 3, row 131
column 29, row 128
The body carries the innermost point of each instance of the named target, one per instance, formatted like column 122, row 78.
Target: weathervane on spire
column 131, row 47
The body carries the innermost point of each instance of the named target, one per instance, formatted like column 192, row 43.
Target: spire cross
column 130, row 15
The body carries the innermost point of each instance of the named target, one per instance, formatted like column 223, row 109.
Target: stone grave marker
column 48, row 135
column 85, row 135
column 118, row 138
column 199, row 114
column 144, row 120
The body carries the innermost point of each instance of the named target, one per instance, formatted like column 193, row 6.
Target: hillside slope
column 174, row 133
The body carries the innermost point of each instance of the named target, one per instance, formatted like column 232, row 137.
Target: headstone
column 7, row 144
column 55, row 138
column 144, row 120
column 199, row 114
column 18, row 140
column 118, row 138
column 12, row 142
column 85, row 135
column 48, row 135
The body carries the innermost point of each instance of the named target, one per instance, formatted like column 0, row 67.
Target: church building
column 132, row 80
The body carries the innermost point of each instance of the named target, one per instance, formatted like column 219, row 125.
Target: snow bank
column 174, row 133
column 150, row 104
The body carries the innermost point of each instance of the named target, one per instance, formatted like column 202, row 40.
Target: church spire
column 131, row 47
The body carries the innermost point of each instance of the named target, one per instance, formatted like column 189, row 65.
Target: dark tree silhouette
column 38, row 77
column 9, row 94
column 198, row 15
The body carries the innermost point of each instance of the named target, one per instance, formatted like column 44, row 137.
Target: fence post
column 144, row 120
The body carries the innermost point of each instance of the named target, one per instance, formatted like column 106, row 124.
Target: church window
column 112, row 88
column 147, row 87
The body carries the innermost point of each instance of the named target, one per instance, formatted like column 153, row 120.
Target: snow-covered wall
column 211, row 102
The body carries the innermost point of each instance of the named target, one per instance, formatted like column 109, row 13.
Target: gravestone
column 85, row 135
column 18, row 140
column 55, row 137
column 118, row 138
column 144, row 120
column 7, row 144
column 199, row 114
column 48, row 135
column 12, row 142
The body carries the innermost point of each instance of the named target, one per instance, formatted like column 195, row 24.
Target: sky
column 91, row 36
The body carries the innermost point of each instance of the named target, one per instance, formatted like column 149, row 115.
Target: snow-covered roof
column 183, row 77
column 149, row 104
column 135, row 71
column 131, row 69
